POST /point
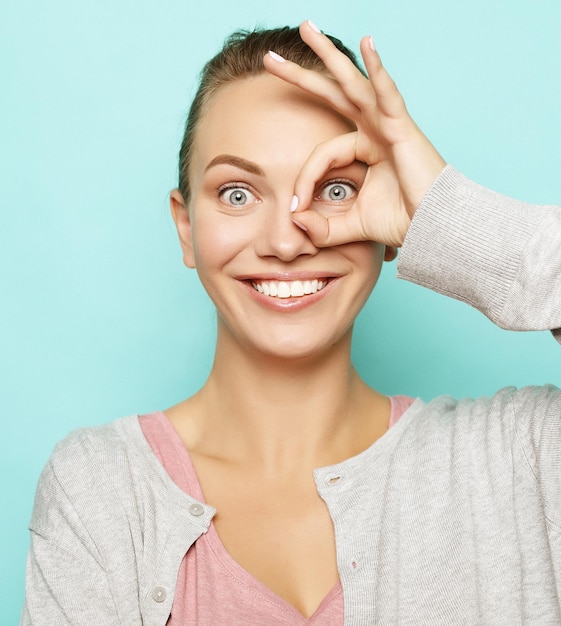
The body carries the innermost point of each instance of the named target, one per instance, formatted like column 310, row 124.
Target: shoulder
column 108, row 448
column 510, row 403
column 113, row 437
column 514, row 421
column 512, row 416
column 97, row 470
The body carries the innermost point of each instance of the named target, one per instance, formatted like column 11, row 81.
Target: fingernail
column 276, row 57
column 301, row 226
column 293, row 204
column 313, row 26
column 372, row 44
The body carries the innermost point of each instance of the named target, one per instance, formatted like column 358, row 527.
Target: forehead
column 262, row 118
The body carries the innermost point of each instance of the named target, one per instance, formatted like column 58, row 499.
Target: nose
column 280, row 237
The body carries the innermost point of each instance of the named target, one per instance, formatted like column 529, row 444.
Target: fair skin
column 283, row 397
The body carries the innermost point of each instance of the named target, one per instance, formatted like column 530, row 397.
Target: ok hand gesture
column 402, row 163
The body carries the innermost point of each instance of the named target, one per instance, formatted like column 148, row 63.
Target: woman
column 286, row 491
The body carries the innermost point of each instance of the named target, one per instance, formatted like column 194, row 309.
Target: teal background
column 98, row 317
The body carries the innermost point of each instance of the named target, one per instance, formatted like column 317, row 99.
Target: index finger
column 353, row 81
column 311, row 81
column 334, row 153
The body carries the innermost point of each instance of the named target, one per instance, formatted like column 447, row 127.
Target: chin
column 296, row 347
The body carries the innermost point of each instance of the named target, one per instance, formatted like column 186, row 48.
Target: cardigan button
column 196, row 509
column 354, row 565
column 159, row 594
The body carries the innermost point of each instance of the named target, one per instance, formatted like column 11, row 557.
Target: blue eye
column 337, row 191
column 236, row 196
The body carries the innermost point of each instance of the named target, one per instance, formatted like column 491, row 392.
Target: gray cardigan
column 452, row 517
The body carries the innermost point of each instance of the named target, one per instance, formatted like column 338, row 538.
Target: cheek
column 217, row 239
column 368, row 256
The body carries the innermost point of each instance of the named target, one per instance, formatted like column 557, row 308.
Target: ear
column 390, row 253
column 182, row 219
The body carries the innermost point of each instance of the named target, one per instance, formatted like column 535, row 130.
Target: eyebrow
column 242, row 164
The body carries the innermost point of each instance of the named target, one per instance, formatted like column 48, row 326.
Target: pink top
column 210, row 584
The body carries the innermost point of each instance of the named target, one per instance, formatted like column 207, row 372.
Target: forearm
column 500, row 255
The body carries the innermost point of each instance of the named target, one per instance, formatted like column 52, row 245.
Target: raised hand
column 402, row 163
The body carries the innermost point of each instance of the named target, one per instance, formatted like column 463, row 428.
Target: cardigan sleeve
column 503, row 257
column 66, row 582
column 500, row 255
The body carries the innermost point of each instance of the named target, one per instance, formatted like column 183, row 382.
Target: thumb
column 329, row 231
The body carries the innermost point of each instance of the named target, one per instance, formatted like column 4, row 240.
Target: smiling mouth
column 289, row 288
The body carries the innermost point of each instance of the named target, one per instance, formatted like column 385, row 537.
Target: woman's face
column 274, row 290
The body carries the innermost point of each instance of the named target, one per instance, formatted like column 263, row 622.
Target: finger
column 312, row 82
column 389, row 100
column 330, row 231
column 335, row 153
column 352, row 81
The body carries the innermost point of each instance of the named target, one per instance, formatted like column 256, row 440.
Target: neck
column 285, row 412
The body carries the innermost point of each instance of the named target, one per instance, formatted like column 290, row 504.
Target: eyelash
column 233, row 185
column 344, row 181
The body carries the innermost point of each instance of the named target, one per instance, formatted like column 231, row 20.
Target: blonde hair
column 241, row 56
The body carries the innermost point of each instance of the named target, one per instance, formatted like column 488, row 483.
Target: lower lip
column 289, row 304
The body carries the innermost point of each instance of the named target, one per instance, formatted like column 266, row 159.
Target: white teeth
column 283, row 290
column 289, row 289
column 296, row 289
